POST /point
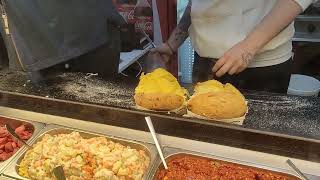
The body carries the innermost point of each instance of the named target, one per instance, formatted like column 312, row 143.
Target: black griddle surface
column 298, row 116
column 74, row 86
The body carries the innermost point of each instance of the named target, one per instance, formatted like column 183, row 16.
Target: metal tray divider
column 37, row 130
column 11, row 172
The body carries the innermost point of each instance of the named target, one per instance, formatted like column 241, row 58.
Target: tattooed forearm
column 180, row 34
column 185, row 21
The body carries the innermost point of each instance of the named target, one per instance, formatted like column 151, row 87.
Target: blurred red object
column 168, row 20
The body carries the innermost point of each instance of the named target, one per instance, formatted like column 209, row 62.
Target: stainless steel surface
column 12, row 170
column 310, row 169
column 59, row 173
column 14, row 123
column 294, row 167
column 13, row 134
column 171, row 152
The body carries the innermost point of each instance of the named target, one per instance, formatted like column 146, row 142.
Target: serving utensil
column 59, row 173
column 294, row 167
column 13, row 134
column 155, row 139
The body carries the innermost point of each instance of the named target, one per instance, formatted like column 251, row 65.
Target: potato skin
column 159, row 101
column 218, row 105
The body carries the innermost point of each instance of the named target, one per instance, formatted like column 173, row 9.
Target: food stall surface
column 298, row 116
column 172, row 146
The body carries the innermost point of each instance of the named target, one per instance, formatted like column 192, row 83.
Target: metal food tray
column 12, row 170
column 173, row 152
column 14, row 123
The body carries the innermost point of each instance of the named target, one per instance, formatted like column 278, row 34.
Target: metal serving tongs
column 13, row 134
column 294, row 167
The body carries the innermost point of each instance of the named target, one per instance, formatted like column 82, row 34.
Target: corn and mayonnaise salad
column 94, row 158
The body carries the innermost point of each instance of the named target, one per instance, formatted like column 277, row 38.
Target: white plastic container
column 302, row 85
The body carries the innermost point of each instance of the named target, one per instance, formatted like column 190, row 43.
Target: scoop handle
column 294, row 167
column 153, row 133
column 13, row 134
column 59, row 173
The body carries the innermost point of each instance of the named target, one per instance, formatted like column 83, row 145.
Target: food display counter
column 86, row 116
column 276, row 127
column 172, row 146
column 178, row 136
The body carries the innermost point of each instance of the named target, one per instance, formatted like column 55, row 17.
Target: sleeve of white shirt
column 305, row 3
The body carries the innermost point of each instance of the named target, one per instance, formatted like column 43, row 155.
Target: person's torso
column 217, row 25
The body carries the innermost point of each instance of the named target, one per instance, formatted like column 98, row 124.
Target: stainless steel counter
column 266, row 160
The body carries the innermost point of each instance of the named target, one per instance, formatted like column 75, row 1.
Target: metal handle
column 294, row 167
column 59, row 173
column 13, row 134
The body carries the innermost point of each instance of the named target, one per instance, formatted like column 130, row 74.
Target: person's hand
column 165, row 52
column 158, row 58
column 234, row 61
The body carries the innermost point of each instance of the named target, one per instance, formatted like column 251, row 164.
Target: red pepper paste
column 189, row 167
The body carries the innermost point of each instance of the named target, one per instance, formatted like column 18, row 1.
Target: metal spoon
column 59, row 173
column 13, row 134
column 294, row 167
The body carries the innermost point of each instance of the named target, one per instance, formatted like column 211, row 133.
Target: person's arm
column 180, row 34
column 177, row 37
column 238, row 57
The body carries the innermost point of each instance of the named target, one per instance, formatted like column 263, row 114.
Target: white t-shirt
column 217, row 25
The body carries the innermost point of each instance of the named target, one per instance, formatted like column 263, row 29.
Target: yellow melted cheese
column 216, row 86
column 159, row 81
column 208, row 86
